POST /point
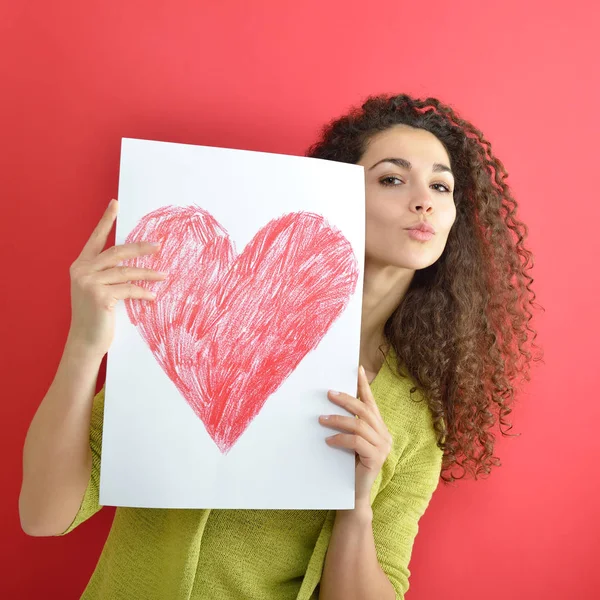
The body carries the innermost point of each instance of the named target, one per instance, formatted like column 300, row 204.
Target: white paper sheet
column 157, row 451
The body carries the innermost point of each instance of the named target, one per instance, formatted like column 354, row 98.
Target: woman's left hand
column 368, row 435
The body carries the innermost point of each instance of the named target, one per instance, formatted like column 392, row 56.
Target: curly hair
column 463, row 330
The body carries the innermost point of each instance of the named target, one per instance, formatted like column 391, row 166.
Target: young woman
column 445, row 332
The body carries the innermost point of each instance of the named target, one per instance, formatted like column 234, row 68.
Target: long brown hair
column 463, row 330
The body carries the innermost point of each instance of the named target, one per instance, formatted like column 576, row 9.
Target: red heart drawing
column 228, row 329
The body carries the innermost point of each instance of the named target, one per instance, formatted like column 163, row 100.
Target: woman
column 446, row 311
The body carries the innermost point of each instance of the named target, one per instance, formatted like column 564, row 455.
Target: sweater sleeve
column 398, row 507
column 90, row 502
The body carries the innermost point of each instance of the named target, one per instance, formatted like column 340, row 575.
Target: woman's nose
column 422, row 203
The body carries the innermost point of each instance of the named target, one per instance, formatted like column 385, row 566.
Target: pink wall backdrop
column 77, row 76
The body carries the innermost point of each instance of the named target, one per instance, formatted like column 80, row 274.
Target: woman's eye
column 383, row 181
column 386, row 182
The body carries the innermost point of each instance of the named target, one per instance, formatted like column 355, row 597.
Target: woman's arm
column 57, row 459
column 371, row 545
column 57, row 456
column 351, row 567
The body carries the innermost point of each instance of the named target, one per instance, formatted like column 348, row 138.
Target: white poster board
column 213, row 391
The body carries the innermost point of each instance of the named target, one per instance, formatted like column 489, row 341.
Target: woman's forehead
column 418, row 147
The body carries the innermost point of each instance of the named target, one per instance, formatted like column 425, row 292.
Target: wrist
column 79, row 351
column 361, row 513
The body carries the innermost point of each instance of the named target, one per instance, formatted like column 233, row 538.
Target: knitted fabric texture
column 177, row 554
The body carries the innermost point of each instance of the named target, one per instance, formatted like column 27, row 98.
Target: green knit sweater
column 177, row 554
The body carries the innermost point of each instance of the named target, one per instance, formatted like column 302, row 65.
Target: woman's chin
column 415, row 261
column 409, row 261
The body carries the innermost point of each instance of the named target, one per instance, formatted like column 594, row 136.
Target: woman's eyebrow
column 402, row 162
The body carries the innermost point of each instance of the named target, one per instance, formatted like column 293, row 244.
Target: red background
column 78, row 76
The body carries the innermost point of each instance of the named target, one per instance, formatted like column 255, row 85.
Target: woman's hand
column 367, row 435
column 98, row 283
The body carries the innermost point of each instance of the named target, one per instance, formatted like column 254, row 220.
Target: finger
column 350, row 403
column 364, row 390
column 114, row 255
column 356, row 407
column 97, row 240
column 352, row 425
column 364, row 412
column 123, row 274
column 353, row 442
column 124, row 291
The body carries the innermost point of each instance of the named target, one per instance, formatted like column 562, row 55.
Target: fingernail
column 362, row 370
column 334, row 393
column 324, row 418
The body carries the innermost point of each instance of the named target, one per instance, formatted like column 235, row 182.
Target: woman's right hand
column 98, row 283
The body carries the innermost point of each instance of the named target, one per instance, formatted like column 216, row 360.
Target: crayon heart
column 229, row 328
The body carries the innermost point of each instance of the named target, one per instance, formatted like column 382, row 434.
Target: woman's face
column 399, row 196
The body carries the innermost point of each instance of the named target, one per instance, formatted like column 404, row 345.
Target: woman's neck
column 383, row 291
